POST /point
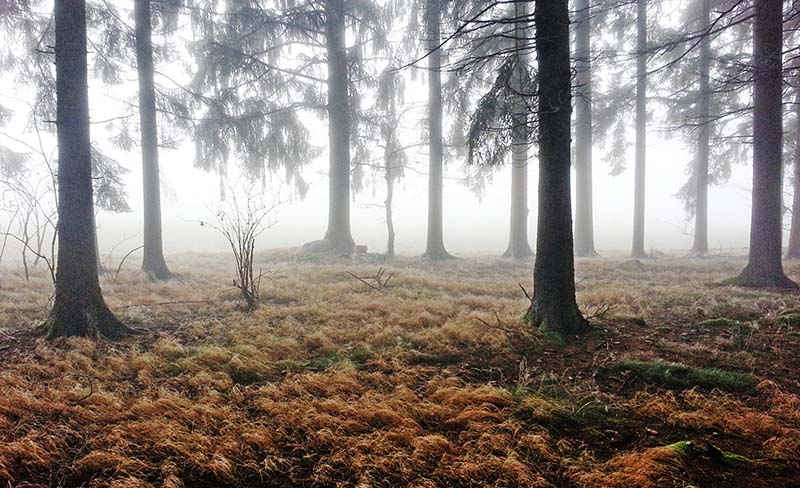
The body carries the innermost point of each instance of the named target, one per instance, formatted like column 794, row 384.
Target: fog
column 472, row 225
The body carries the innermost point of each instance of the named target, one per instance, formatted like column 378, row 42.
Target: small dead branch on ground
column 598, row 310
column 377, row 282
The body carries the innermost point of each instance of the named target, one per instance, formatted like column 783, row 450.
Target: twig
column 527, row 295
column 119, row 268
column 91, row 391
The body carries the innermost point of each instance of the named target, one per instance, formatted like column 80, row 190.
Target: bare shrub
column 241, row 219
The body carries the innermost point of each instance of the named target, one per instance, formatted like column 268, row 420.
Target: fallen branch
column 376, row 282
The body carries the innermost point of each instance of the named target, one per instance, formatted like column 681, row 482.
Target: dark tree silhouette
column 153, row 263
column 553, row 306
column 764, row 267
column 78, row 308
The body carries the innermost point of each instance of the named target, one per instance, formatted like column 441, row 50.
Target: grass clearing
column 434, row 382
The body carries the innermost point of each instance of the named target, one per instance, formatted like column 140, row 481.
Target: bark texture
column 553, row 306
column 338, row 238
column 153, row 263
column 434, row 249
column 637, row 250
column 584, row 212
column 78, row 307
column 764, row 267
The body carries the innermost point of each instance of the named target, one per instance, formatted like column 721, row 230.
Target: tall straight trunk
column 518, row 246
column 764, row 267
column 435, row 243
column 338, row 238
column 584, row 217
column 78, row 307
column 794, row 235
column 388, row 174
column 553, row 306
column 100, row 268
column 700, row 246
column 641, row 129
column 153, row 263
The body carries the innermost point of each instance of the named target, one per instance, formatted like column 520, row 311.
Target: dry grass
column 434, row 381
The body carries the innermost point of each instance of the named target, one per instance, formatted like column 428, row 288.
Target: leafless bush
column 28, row 198
column 241, row 219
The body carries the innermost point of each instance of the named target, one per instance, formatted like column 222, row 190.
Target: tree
column 338, row 236
column 553, row 305
column 434, row 249
column 637, row 250
column 78, row 308
column 518, row 246
column 764, row 267
column 501, row 122
column 153, row 263
column 584, row 218
column 793, row 251
column 701, row 176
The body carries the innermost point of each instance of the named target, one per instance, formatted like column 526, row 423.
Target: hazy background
column 472, row 224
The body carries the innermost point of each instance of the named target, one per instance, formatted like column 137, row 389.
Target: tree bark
column 641, row 130
column 78, row 308
column 793, row 252
column 553, row 306
column 584, row 218
column 764, row 267
column 518, row 246
column 700, row 245
column 153, row 263
column 435, row 249
column 338, row 238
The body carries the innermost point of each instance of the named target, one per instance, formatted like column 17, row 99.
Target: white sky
column 472, row 225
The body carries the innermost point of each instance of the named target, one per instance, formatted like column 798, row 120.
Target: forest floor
column 433, row 380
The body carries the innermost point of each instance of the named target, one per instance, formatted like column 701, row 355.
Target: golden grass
column 329, row 384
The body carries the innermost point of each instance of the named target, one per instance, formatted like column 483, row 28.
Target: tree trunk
column 518, row 246
column 641, row 130
column 584, row 219
column 388, row 172
column 700, row 246
column 338, row 238
column 553, row 306
column 764, row 267
column 100, row 268
column 794, row 235
column 435, row 249
column 78, row 308
column 153, row 263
